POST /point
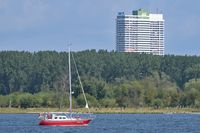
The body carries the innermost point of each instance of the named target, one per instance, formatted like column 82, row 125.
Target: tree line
column 110, row 79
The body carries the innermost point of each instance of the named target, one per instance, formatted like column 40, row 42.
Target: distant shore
column 105, row 110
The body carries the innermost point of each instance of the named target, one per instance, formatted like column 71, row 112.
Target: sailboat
column 67, row 118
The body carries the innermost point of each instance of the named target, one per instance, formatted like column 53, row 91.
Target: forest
column 110, row 79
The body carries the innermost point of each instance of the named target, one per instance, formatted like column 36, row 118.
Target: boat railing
column 48, row 115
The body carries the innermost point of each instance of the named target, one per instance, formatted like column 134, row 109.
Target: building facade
column 140, row 32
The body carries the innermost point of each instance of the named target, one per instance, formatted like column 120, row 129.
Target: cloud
column 3, row 4
column 21, row 14
column 33, row 11
column 190, row 27
column 183, row 19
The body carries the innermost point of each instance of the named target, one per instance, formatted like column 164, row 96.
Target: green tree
column 92, row 101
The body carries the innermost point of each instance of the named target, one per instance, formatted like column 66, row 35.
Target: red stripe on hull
column 83, row 122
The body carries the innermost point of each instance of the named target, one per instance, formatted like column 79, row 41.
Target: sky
column 38, row 25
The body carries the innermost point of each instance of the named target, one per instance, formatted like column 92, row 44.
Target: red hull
column 83, row 122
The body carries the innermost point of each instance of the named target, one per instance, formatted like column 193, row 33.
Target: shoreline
column 142, row 110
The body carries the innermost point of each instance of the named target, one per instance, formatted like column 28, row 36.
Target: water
column 107, row 123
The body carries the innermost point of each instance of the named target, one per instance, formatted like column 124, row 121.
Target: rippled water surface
column 107, row 123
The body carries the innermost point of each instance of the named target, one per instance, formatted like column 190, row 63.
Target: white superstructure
column 140, row 32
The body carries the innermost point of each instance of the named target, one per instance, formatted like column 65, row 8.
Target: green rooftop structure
column 140, row 12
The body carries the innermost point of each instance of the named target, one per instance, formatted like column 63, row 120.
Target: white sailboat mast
column 70, row 88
